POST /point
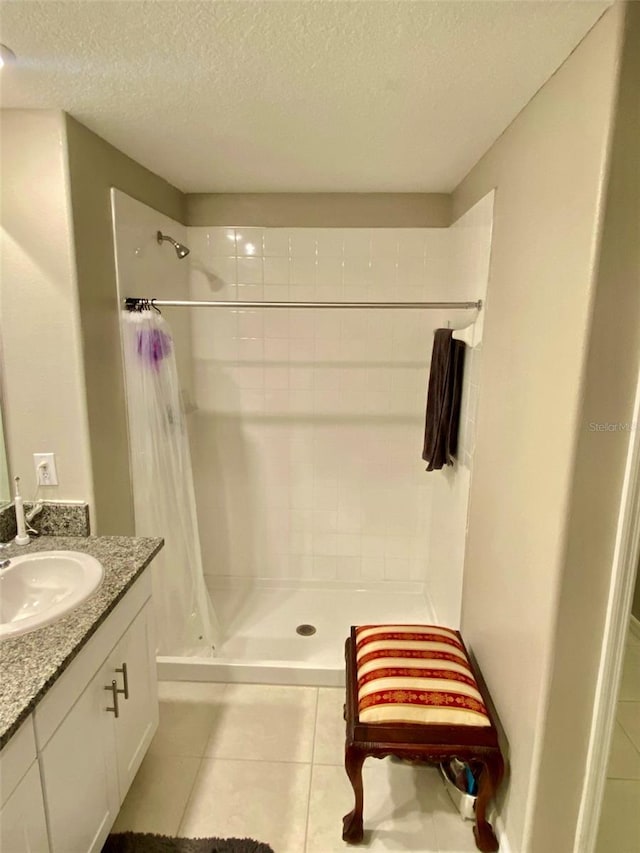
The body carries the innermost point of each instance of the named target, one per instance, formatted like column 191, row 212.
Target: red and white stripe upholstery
column 416, row 674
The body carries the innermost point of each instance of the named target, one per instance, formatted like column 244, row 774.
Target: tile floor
column 620, row 820
column 266, row 762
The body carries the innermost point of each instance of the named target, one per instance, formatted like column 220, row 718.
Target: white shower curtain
column 164, row 499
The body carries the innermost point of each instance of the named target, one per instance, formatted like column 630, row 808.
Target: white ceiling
column 292, row 95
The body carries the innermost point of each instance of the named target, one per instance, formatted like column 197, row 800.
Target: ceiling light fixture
column 6, row 55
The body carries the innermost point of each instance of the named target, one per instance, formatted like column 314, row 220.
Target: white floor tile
column 188, row 711
column 624, row 758
column 453, row 834
column 396, row 813
column 628, row 715
column 265, row 723
column 330, row 727
column 263, row 800
column 257, row 781
column 158, row 795
column 331, row 798
column 619, row 825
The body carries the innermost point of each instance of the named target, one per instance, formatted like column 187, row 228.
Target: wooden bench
column 413, row 692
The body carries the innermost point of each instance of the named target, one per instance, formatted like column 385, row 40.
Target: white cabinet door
column 79, row 772
column 23, row 828
column 133, row 661
column 92, row 756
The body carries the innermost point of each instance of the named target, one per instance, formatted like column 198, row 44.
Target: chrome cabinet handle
column 125, row 680
column 113, row 687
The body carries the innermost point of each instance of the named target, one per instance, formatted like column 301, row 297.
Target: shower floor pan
column 260, row 619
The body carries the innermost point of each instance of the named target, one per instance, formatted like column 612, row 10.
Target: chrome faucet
column 4, row 564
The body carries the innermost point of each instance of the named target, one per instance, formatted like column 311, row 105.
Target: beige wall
column 149, row 270
column 548, row 168
column 609, row 388
column 95, row 167
column 321, row 210
column 43, row 380
column 5, row 491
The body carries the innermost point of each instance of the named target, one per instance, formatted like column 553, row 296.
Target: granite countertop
column 31, row 663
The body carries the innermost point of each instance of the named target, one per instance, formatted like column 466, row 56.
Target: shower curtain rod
column 132, row 303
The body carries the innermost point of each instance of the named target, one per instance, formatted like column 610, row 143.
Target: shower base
column 259, row 619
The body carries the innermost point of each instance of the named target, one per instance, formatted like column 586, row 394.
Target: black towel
column 443, row 400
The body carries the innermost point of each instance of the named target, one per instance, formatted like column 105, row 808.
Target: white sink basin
column 38, row 588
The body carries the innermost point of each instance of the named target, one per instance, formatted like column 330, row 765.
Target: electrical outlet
column 45, row 464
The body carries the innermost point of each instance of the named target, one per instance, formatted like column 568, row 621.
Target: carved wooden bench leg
column 485, row 837
column 352, row 829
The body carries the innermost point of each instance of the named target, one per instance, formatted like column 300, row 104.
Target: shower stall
column 305, row 426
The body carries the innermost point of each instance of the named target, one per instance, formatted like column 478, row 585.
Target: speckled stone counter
column 55, row 519
column 31, row 663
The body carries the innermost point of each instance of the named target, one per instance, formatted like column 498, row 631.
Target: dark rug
column 145, row 842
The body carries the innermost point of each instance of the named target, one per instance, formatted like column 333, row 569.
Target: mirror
column 5, row 494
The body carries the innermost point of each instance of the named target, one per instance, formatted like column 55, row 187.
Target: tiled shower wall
column 309, row 423
column 470, row 250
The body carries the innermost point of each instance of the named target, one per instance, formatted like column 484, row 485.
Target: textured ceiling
column 291, row 95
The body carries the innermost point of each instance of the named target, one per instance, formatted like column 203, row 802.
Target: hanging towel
column 443, row 400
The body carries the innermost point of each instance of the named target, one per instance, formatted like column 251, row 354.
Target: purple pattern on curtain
column 153, row 346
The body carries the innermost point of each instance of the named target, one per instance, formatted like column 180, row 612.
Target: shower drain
column 306, row 630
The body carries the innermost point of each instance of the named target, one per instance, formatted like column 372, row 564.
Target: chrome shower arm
column 181, row 250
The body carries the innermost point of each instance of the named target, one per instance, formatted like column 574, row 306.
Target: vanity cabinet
column 132, row 664
column 79, row 774
column 23, row 827
column 94, row 727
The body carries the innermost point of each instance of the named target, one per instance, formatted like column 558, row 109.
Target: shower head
column 181, row 251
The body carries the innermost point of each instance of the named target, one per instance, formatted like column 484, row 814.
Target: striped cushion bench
column 413, row 692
